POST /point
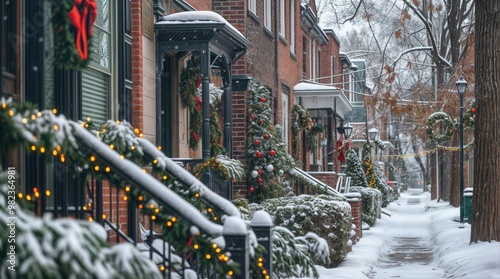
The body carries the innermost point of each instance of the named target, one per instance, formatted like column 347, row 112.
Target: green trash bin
column 468, row 205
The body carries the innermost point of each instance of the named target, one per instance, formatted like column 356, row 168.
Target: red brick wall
column 329, row 178
column 354, row 199
column 239, row 135
column 201, row 5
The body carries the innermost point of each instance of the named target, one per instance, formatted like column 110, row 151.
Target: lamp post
column 461, row 86
column 373, row 134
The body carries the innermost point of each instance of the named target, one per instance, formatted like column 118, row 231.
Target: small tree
column 355, row 170
column 267, row 157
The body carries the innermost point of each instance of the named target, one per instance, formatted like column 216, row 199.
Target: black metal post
column 237, row 244
column 461, row 158
column 329, row 142
column 262, row 226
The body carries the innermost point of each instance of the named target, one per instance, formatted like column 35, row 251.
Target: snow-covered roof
column 197, row 17
column 316, row 96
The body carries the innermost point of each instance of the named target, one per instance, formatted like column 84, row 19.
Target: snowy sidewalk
column 418, row 243
column 408, row 252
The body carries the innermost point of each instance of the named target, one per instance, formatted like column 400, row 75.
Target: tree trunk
column 486, row 200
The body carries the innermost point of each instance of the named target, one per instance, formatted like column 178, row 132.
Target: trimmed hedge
column 324, row 215
column 372, row 201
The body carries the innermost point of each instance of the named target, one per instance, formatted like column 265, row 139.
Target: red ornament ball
column 272, row 152
column 266, row 136
column 263, row 99
column 252, row 117
column 259, row 180
column 257, row 142
column 259, row 172
column 473, row 110
column 252, row 189
column 261, row 120
column 258, row 154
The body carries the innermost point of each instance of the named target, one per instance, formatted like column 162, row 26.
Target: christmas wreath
column 73, row 21
column 469, row 116
column 440, row 117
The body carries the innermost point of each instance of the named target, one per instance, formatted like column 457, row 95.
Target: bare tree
column 416, row 47
column 486, row 200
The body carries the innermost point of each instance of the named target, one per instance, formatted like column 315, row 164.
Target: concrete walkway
column 408, row 252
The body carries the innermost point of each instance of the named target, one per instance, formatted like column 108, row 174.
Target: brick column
column 355, row 200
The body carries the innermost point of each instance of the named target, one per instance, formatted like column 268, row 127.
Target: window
column 252, row 6
column 284, row 116
column 304, row 57
column 267, row 14
column 96, row 79
column 292, row 26
column 332, row 69
column 9, row 42
column 282, row 18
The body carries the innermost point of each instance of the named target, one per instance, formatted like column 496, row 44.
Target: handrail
column 187, row 178
column 146, row 182
column 299, row 172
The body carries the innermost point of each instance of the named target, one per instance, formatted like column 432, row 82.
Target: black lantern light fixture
column 373, row 133
column 461, row 86
column 240, row 82
column 347, row 130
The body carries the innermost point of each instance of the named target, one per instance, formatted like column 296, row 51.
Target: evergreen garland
column 267, row 157
column 301, row 120
column 440, row 117
column 50, row 136
column 188, row 88
column 469, row 116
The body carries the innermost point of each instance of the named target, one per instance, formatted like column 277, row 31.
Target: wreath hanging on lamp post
column 448, row 122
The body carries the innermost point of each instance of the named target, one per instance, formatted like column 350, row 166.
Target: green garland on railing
column 50, row 136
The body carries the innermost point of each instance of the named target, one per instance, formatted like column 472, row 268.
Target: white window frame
column 252, row 6
column 332, row 69
column 292, row 26
column 267, row 15
column 282, row 18
column 284, row 116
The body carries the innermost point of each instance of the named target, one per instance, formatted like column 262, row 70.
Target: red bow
column 82, row 16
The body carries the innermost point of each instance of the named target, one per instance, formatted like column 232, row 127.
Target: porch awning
column 319, row 96
column 186, row 30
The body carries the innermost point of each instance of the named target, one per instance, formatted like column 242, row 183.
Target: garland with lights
column 440, row 117
column 267, row 157
column 301, row 120
column 43, row 132
column 73, row 22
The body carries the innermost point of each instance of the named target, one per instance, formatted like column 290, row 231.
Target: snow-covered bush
column 372, row 201
column 63, row 248
column 323, row 215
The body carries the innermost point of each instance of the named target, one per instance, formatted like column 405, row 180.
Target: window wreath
column 440, row 117
column 73, row 22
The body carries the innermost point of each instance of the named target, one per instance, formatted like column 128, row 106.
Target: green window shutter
column 95, row 95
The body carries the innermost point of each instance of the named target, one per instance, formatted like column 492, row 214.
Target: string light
column 54, row 111
column 104, row 216
column 165, row 177
column 47, row 193
column 153, row 217
column 56, row 127
column 162, row 268
column 11, row 113
column 33, row 148
column 20, row 195
column 4, row 105
column 208, row 256
column 28, row 197
column 39, row 114
column 127, row 188
column 108, row 169
column 25, row 120
column 230, row 273
column 92, row 158
column 96, row 168
column 125, row 198
column 42, row 149
column 196, row 246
